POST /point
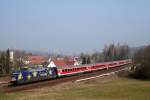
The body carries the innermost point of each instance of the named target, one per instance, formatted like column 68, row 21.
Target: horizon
column 73, row 26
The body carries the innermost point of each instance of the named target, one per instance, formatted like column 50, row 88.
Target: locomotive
column 33, row 74
column 27, row 74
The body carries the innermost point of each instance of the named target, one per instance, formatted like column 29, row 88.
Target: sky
column 73, row 26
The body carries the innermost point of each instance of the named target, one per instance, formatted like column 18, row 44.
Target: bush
column 141, row 61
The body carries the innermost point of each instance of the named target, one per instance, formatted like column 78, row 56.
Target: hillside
column 106, row 88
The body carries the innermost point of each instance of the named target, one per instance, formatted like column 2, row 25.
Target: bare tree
column 142, row 62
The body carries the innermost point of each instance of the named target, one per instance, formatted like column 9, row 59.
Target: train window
column 66, row 70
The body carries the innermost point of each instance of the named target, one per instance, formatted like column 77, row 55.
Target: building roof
column 63, row 62
column 36, row 59
column 59, row 62
column 70, row 62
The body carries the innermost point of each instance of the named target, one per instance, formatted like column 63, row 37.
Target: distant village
column 12, row 59
column 21, row 58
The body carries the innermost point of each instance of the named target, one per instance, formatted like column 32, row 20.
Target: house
column 62, row 62
column 35, row 60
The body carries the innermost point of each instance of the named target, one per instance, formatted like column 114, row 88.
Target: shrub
column 141, row 60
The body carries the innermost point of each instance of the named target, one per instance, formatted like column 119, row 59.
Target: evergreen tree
column 7, row 61
column 88, row 61
column 84, row 60
column 2, row 62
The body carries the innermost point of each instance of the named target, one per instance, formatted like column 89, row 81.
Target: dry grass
column 108, row 88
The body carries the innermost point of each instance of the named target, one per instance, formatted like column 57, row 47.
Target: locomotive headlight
column 14, row 76
column 13, row 79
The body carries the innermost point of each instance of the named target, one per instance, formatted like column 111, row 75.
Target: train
column 34, row 74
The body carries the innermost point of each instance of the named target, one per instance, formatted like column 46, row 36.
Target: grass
column 108, row 88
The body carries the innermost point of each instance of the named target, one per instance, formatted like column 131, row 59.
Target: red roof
column 36, row 59
column 70, row 62
column 63, row 62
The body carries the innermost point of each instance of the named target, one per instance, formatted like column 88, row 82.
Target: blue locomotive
column 32, row 74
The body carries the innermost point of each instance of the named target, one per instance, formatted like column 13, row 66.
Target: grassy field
column 108, row 88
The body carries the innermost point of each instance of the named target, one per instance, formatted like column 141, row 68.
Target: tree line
column 5, row 62
column 110, row 52
column 141, row 61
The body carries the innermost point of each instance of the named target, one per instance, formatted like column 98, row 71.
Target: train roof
column 60, row 67
column 71, row 66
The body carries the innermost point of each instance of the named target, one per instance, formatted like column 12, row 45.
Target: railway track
column 8, row 88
